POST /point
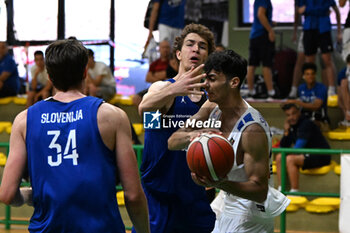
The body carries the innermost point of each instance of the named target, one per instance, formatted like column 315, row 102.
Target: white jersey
column 238, row 211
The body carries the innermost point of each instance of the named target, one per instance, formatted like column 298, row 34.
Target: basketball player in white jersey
column 250, row 202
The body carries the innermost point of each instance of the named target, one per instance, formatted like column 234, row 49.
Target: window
column 283, row 12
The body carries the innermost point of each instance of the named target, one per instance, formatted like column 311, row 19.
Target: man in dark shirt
column 300, row 132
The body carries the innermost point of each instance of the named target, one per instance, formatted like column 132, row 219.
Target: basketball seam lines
column 209, row 162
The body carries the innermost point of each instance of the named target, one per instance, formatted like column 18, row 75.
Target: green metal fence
column 284, row 152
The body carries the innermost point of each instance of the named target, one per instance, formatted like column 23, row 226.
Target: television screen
column 283, row 12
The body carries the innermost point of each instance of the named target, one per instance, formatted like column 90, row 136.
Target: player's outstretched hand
column 190, row 82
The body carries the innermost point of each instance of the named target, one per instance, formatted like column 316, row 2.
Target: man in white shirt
column 100, row 81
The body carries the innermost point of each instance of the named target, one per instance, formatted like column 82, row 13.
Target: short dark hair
column 90, row 53
column 308, row 66
column 288, row 106
column 38, row 52
column 230, row 63
column 199, row 29
column 66, row 62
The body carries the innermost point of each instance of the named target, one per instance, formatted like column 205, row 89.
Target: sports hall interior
column 235, row 36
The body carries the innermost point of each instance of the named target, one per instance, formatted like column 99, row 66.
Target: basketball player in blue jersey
column 176, row 203
column 74, row 146
column 250, row 203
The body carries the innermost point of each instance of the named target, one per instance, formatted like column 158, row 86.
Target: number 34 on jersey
column 71, row 146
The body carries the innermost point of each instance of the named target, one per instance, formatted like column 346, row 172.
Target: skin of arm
column 264, row 21
column 110, row 117
column 152, row 21
column 183, row 136
column 97, row 81
column 3, row 76
column 342, row 3
column 346, row 97
column 310, row 106
column 339, row 32
column 256, row 160
column 10, row 193
column 161, row 95
column 295, row 24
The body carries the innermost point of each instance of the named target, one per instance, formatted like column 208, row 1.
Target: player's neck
column 68, row 96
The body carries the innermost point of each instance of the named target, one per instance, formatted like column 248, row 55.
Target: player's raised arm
column 161, row 94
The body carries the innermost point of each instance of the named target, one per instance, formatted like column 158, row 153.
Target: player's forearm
column 180, row 140
column 156, row 100
column 250, row 190
column 138, row 213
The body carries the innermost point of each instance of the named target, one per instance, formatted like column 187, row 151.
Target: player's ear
column 178, row 55
column 234, row 82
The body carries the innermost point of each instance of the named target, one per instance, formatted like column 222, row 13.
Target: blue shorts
column 173, row 216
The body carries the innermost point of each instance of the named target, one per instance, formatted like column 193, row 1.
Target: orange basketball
column 210, row 155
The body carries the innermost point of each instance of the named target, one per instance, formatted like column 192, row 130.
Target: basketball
column 210, row 155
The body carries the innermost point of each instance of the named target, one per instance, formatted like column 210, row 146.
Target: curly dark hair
column 199, row 29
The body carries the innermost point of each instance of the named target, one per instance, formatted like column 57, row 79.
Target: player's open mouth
column 194, row 59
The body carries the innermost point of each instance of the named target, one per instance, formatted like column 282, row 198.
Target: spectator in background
column 312, row 97
column 40, row 86
column 344, row 93
column 261, row 46
column 300, row 132
column 9, row 78
column 157, row 70
column 346, row 33
column 297, row 73
column 171, row 19
column 100, row 80
column 220, row 47
column 317, row 34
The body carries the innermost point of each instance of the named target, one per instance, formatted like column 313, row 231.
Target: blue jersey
column 72, row 172
column 257, row 28
column 163, row 171
column 7, row 64
column 317, row 14
column 319, row 91
column 172, row 13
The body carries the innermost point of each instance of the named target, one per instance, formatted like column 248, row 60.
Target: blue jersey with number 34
column 72, row 172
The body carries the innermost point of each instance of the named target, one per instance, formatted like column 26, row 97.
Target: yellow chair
column 337, row 169
column 115, row 99
column 6, row 100
column 126, row 100
column 8, row 129
column 20, row 100
column 3, row 159
column 341, row 133
column 296, row 202
column 274, row 167
column 318, row 171
column 138, row 127
column 120, row 198
column 4, row 125
column 323, row 205
column 332, row 101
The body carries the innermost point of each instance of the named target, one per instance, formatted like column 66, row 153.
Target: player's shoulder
column 156, row 86
column 20, row 121
column 110, row 113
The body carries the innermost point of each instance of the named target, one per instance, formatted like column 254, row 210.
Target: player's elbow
column 134, row 197
column 262, row 194
column 5, row 198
